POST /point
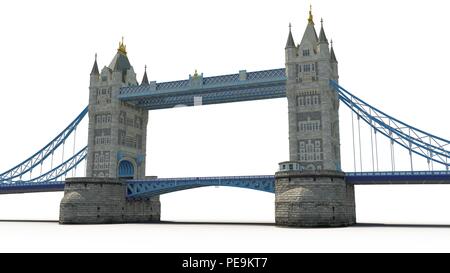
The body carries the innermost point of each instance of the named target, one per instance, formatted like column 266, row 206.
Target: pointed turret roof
column 145, row 78
column 322, row 36
column 310, row 34
column 290, row 41
column 333, row 56
column 94, row 71
column 120, row 62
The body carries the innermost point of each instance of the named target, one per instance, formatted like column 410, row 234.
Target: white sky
column 393, row 54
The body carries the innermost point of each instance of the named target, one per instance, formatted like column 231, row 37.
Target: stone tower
column 116, row 151
column 313, row 105
column 117, row 130
column 310, row 188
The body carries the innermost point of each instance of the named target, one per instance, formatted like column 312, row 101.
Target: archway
column 126, row 170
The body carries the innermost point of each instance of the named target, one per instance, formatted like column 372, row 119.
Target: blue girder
column 267, row 84
column 152, row 187
column 26, row 187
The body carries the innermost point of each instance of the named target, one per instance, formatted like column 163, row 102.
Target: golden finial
column 310, row 18
column 122, row 47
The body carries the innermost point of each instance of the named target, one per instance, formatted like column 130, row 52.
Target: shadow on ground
column 359, row 225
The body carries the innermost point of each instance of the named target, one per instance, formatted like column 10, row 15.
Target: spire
column 322, row 36
column 310, row 35
column 310, row 18
column 333, row 56
column 94, row 71
column 122, row 47
column 145, row 78
column 120, row 61
column 290, row 41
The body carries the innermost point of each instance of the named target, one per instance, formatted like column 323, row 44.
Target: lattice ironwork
column 152, row 187
column 414, row 140
column 219, row 89
column 37, row 159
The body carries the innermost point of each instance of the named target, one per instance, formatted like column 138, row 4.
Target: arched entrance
column 126, row 170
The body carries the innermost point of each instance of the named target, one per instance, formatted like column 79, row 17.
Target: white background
column 393, row 54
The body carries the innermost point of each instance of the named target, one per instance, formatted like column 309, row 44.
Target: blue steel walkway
column 244, row 86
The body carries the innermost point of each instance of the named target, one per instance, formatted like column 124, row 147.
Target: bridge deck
column 139, row 188
column 398, row 178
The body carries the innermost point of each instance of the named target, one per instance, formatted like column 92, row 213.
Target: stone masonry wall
column 103, row 201
column 313, row 199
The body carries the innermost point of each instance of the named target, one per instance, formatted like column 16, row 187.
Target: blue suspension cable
column 353, row 139
column 431, row 156
column 420, row 146
column 51, row 164
column 62, row 157
column 73, row 153
column 376, row 147
column 360, row 150
column 391, row 146
column 43, row 153
column 371, row 145
column 393, row 155
column 85, row 167
column 410, row 153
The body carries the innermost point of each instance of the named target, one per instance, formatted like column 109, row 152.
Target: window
column 305, row 52
column 300, row 100
column 307, row 67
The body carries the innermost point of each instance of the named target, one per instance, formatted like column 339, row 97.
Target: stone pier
column 313, row 199
column 103, row 201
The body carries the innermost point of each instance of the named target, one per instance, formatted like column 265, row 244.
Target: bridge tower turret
column 117, row 130
column 116, row 152
column 310, row 188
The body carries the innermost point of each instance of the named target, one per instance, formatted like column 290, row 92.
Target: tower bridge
column 310, row 189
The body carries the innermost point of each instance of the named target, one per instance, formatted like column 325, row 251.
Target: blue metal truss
column 267, row 84
column 38, row 158
column 63, row 169
column 152, row 187
column 50, row 181
column 414, row 140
